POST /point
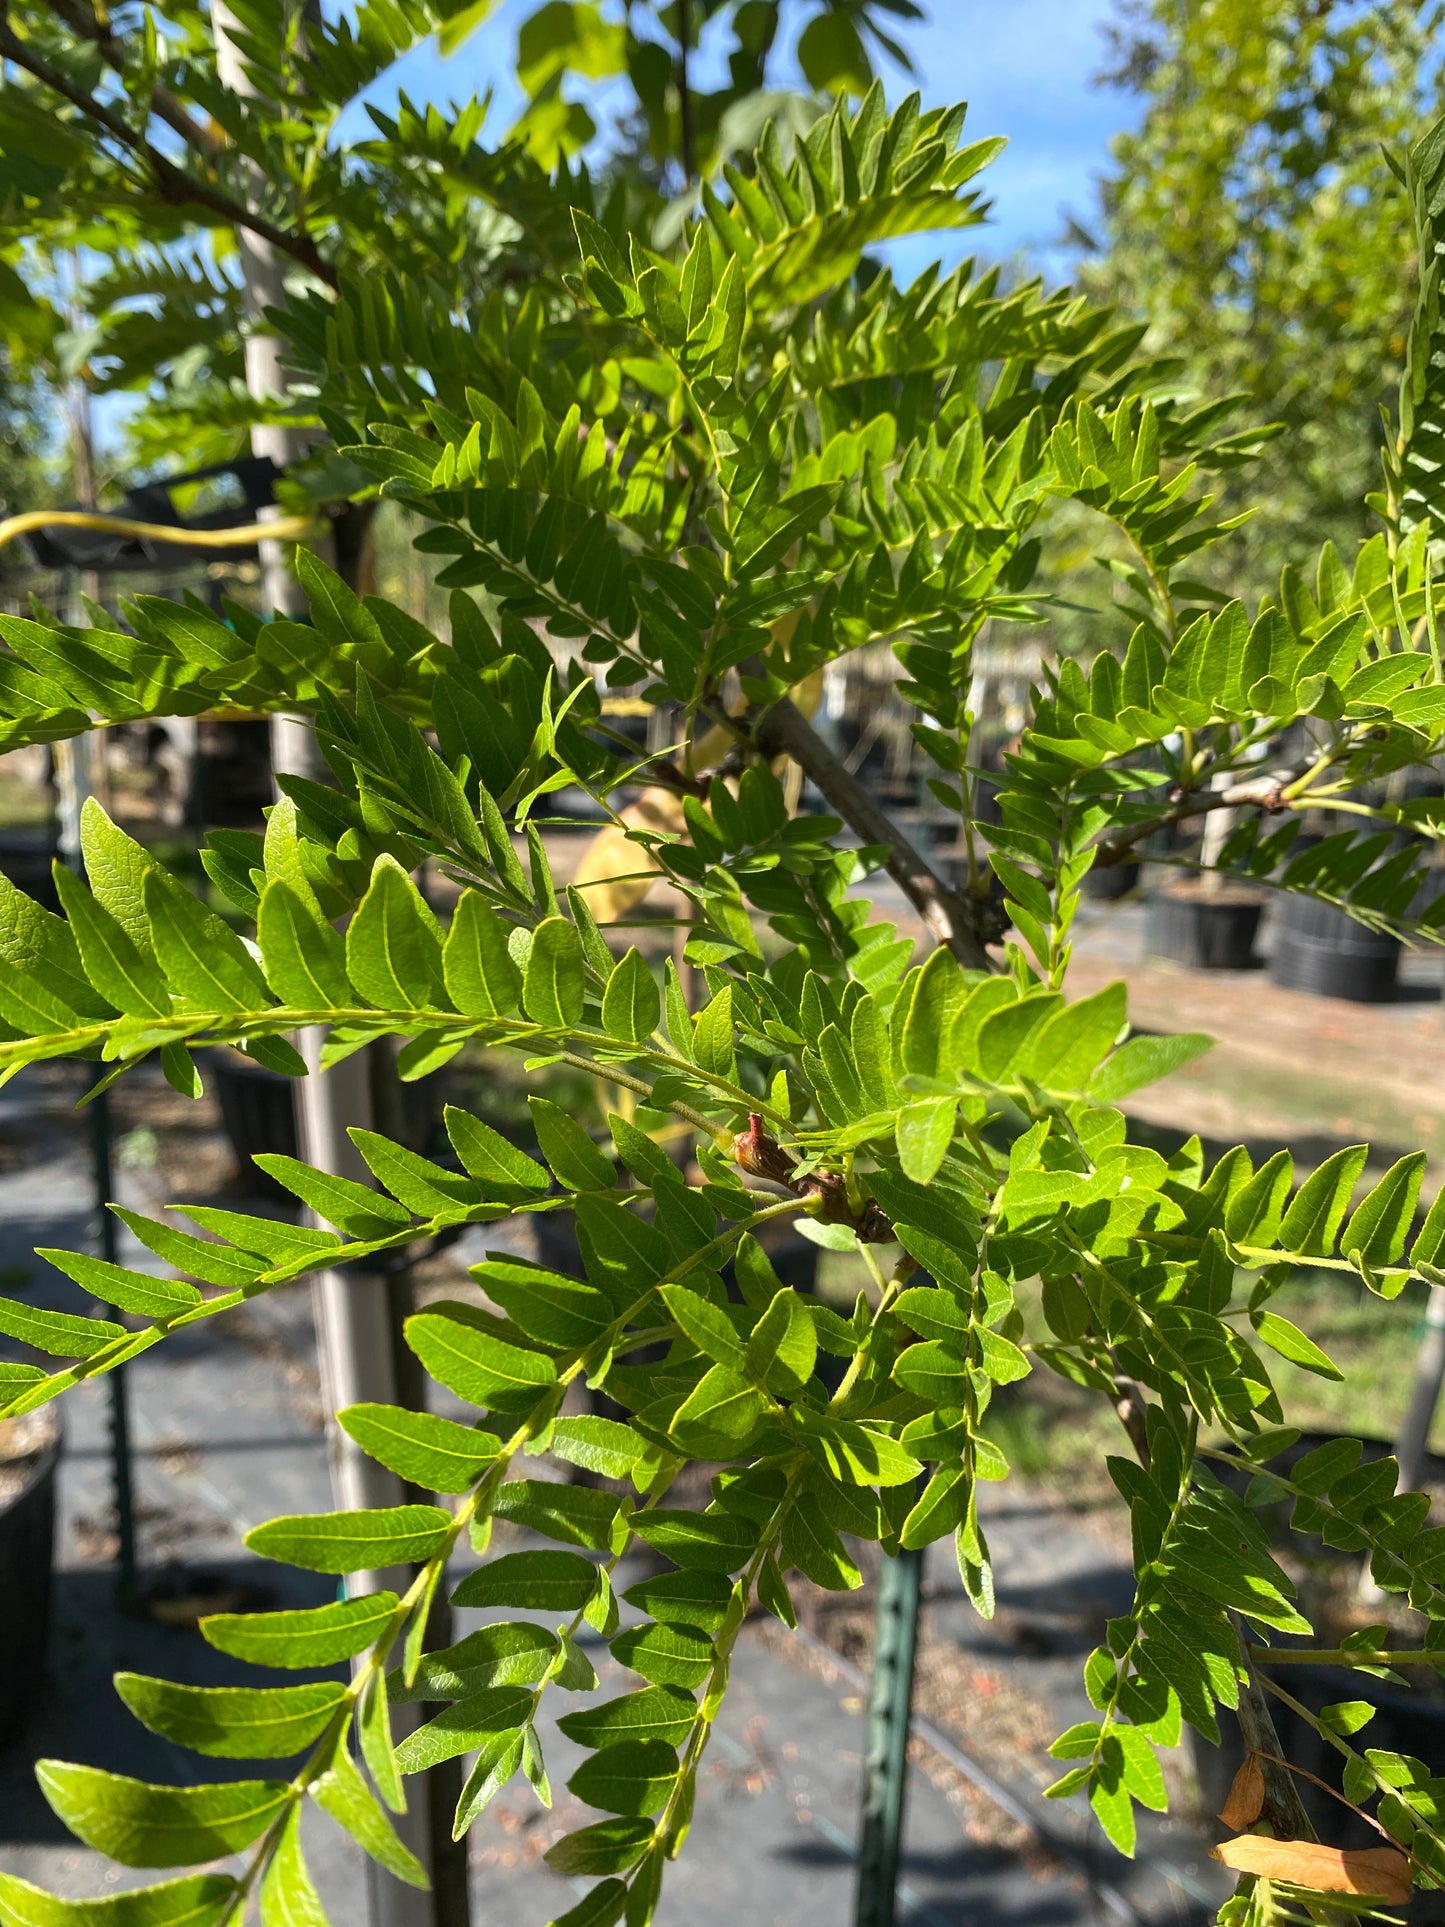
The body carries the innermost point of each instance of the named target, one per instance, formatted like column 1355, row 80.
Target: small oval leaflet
column 353, row 1541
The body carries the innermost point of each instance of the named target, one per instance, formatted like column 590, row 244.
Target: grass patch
column 1051, row 1429
column 1373, row 1343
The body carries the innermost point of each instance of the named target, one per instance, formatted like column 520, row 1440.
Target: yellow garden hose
column 285, row 528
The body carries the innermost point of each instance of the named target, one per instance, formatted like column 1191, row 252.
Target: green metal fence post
column 885, row 1771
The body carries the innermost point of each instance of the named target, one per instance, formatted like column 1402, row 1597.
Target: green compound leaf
column 197, row 1900
column 611, row 1846
column 434, row 1453
column 362, row 1541
column 1291, row 1343
column 393, row 946
column 481, row 978
column 560, row 1582
column 158, row 1826
column 630, row 1777
column 311, row 1636
column 742, row 509
column 288, row 1897
column 342, row 1793
column 631, row 1003
column 1144, row 1060
column 232, row 1722
column 469, row 1724
column 554, row 990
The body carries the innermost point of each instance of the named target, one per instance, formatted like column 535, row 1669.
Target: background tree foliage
column 26, row 437
column 1253, row 220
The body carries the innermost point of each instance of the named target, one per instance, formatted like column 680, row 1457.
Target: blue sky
column 1024, row 66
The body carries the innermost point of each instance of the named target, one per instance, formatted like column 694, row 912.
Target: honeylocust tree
column 701, row 474
column 1231, row 220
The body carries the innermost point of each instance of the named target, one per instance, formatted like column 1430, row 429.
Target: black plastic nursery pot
column 27, row 1539
column 258, row 1111
column 25, row 857
column 1114, row 880
column 258, row 1107
column 1408, row 1718
column 1319, row 949
column 1214, row 932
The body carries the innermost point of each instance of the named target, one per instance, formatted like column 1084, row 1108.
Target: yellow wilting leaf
column 615, row 874
column 1246, row 1796
column 1378, row 1871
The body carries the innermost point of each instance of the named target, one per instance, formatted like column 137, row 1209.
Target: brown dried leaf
column 1305, row 1863
column 1246, row 1796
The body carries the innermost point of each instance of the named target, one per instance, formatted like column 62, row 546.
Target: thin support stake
column 890, row 1700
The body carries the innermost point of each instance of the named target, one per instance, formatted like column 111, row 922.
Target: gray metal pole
column 354, row 1327
column 1414, row 1440
column 885, row 1770
column 72, row 770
